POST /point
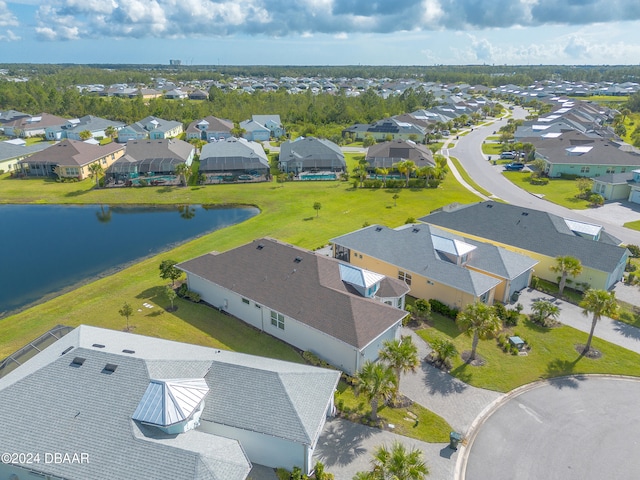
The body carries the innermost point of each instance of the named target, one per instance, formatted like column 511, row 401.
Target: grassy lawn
column 633, row 225
column 467, row 178
column 492, row 148
column 286, row 214
column 414, row 421
column 552, row 355
column 560, row 191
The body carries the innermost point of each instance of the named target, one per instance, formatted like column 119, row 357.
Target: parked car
column 508, row 155
column 514, row 166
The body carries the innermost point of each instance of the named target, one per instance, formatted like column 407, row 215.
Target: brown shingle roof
column 299, row 284
column 73, row 152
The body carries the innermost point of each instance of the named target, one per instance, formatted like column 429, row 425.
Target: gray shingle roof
column 533, row 230
column 52, row 406
column 386, row 154
column 312, row 152
column 302, row 290
column 411, row 249
column 9, row 150
column 233, row 154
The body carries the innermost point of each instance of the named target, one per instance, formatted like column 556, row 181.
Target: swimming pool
column 317, row 176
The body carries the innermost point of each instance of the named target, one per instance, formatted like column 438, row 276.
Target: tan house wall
column 83, row 172
column 421, row 286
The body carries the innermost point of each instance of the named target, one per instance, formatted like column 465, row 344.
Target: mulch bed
column 476, row 362
column 593, row 353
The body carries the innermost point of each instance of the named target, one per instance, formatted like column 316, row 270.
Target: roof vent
column 77, row 361
column 109, row 368
column 98, row 345
column 298, row 259
column 128, row 351
column 260, row 246
column 66, row 350
column 489, row 205
column 524, row 214
column 415, row 230
column 378, row 229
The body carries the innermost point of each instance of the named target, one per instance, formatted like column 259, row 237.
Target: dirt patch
column 593, row 353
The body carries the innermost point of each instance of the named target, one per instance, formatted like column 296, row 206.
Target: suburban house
column 340, row 312
column 73, row 128
column 14, row 150
column 254, row 131
column 7, row 116
column 175, row 94
column 128, row 407
column 234, row 158
column 150, row 127
column 387, row 154
column 541, row 236
column 272, row 122
column 210, row 129
column 573, row 153
column 387, row 128
column 438, row 264
column 198, row 94
column 150, row 158
column 70, row 159
column 32, row 125
column 618, row 186
column 311, row 155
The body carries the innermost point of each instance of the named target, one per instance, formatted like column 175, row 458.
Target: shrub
column 596, row 199
column 193, row 296
column 443, row 309
column 416, row 183
column 394, row 183
column 434, row 183
column 539, row 181
column 372, row 183
column 182, row 291
column 635, row 250
column 410, row 220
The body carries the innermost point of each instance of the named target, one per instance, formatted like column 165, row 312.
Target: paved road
column 573, row 428
column 468, row 150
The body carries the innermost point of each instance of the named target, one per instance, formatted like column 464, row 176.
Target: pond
column 47, row 249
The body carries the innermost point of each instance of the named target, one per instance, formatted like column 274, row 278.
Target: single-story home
column 387, row 154
column 618, row 186
column 14, row 150
column 70, row 159
column 541, row 236
column 574, row 153
column 32, row 125
column 150, row 158
column 438, row 264
column 73, row 128
column 340, row 312
column 105, row 404
column 210, row 129
column 389, row 127
column 150, row 127
column 311, row 155
column 234, row 158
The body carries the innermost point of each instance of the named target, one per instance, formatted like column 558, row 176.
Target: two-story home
column 33, row 125
column 73, row 128
column 340, row 312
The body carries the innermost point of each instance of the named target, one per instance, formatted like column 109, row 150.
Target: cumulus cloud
column 278, row 18
column 7, row 18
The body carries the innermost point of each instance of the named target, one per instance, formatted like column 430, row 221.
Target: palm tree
column 95, row 170
column 427, row 172
column 544, row 309
column 406, row 168
column 443, row 350
column 184, row 171
column 401, row 355
column 111, row 132
column 566, row 266
column 397, row 463
column 384, row 172
column 480, row 321
column 600, row 303
column 85, row 135
column 377, row 382
column 360, row 171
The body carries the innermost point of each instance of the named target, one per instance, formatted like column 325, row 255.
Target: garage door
column 635, row 196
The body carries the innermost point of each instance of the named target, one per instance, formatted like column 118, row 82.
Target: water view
column 50, row 248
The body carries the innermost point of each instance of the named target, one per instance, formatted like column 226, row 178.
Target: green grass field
column 286, row 214
column 560, row 191
column 463, row 173
column 552, row 354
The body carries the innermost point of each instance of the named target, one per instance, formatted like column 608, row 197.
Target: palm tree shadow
column 152, row 293
column 341, row 442
column 444, row 384
column 627, row 330
column 561, row 373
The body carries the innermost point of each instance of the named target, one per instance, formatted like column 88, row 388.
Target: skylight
column 359, row 276
column 579, row 149
column 166, row 402
column 451, row 246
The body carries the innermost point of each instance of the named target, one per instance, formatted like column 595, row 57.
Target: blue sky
column 321, row 32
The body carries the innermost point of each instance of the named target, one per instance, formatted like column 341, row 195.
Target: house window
column 404, row 276
column 611, row 170
column 584, row 169
column 429, row 282
column 245, row 301
column 623, row 169
column 72, row 171
column 277, row 320
column 257, row 306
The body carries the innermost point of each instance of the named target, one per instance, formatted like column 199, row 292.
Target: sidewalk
column 607, row 329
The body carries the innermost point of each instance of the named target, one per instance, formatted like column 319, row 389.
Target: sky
column 321, row 32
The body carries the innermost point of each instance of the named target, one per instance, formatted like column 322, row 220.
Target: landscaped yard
column 558, row 190
column 467, row 178
column 492, row 149
column 286, row 214
column 414, row 421
column 633, row 225
column 552, row 354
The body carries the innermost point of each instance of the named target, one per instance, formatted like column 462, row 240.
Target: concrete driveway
column 581, row 427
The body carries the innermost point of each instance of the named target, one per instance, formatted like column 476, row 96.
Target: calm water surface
column 49, row 248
